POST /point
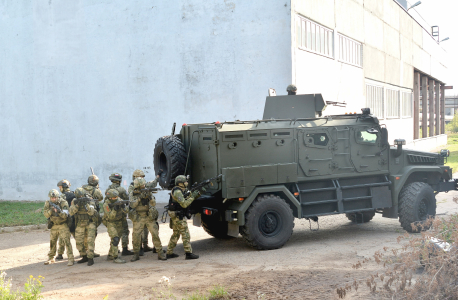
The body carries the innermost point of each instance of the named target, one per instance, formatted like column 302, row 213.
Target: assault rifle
column 118, row 204
column 149, row 189
column 198, row 186
column 56, row 207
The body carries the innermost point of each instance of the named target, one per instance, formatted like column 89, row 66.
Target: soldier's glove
column 195, row 194
column 63, row 215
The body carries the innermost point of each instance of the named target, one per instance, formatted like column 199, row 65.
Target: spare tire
column 170, row 156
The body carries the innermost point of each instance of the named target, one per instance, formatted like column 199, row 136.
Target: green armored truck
column 296, row 163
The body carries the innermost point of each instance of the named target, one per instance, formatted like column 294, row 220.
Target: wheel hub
column 269, row 223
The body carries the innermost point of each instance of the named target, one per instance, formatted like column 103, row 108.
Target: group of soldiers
column 78, row 214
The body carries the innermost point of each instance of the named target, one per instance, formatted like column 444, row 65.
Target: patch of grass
column 452, row 145
column 218, row 292
column 17, row 213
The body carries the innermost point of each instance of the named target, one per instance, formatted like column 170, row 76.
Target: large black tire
column 215, row 227
column 269, row 223
column 417, row 203
column 170, row 156
column 361, row 217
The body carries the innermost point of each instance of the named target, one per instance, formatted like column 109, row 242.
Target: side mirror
column 445, row 153
column 384, row 132
column 399, row 143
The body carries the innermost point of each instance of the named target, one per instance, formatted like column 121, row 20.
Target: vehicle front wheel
column 269, row 223
column 417, row 203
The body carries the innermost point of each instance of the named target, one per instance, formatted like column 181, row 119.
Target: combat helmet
column 138, row 182
column 180, row 179
column 53, row 193
column 115, row 177
column 80, row 192
column 291, row 89
column 112, row 193
column 93, row 180
column 64, row 183
column 138, row 173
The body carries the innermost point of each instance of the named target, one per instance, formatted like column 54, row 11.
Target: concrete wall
column 95, row 83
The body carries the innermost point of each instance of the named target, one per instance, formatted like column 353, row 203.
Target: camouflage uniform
column 144, row 214
column 113, row 218
column 64, row 187
column 60, row 227
column 153, row 183
column 123, row 195
column 180, row 227
column 86, row 218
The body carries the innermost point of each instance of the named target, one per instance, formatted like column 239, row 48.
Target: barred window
column 407, row 105
column 350, row 51
column 374, row 100
column 314, row 38
column 392, row 104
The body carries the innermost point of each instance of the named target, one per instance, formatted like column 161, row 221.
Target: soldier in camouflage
column 291, row 89
column 59, row 217
column 144, row 213
column 67, row 195
column 178, row 223
column 113, row 218
column 92, row 189
column 116, row 179
column 139, row 174
column 86, row 218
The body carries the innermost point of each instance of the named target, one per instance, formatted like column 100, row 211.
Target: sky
column 443, row 13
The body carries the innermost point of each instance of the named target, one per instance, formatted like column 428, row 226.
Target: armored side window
column 362, row 136
column 319, row 139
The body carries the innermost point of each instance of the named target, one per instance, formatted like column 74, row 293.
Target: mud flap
column 197, row 220
column 233, row 229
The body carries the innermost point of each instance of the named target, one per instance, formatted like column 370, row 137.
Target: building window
column 314, row 38
column 374, row 100
column 392, row 104
column 407, row 105
column 350, row 51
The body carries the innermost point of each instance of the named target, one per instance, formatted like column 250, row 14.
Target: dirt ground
column 310, row 266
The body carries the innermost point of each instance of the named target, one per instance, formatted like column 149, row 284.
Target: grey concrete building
column 95, row 83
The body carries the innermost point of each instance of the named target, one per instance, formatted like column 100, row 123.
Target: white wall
column 95, row 83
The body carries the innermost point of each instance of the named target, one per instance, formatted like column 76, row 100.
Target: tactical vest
column 57, row 220
column 119, row 214
column 82, row 214
column 143, row 206
column 96, row 200
column 173, row 203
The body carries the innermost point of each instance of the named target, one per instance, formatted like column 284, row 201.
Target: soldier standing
column 114, row 220
column 177, row 205
column 56, row 209
column 86, row 217
column 139, row 174
column 291, row 89
column 116, row 179
column 144, row 213
column 92, row 188
column 67, row 195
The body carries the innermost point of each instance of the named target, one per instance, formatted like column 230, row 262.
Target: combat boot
column 135, row 257
column 146, row 248
column 90, row 261
column 126, row 251
column 161, row 256
column 173, row 255
column 70, row 263
column 141, row 251
column 82, row 260
column 59, row 257
column 119, row 261
column 191, row 256
column 50, row 261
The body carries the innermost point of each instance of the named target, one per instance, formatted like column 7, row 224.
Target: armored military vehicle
column 296, row 163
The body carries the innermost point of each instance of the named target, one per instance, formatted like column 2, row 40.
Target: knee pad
column 115, row 241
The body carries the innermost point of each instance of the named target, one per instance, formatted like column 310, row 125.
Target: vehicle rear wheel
column 361, row 217
column 417, row 203
column 215, row 227
column 170, row 156
column 269, row 223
